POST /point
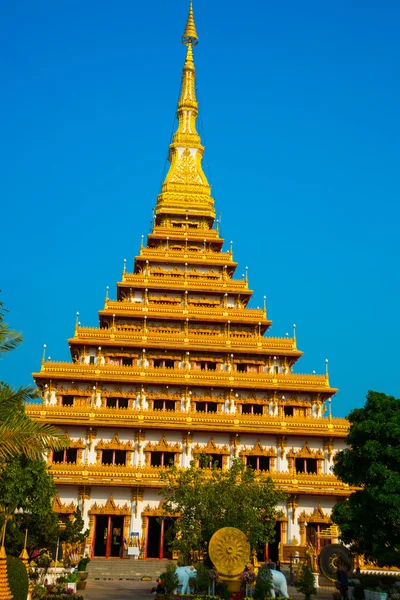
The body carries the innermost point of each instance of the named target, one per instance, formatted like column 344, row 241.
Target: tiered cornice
column 121, row 476
column 165, row 376
column 170, row 420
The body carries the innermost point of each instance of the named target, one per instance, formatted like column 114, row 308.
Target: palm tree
column 18, row 433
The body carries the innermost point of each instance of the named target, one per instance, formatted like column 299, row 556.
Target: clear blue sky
column 299, row 103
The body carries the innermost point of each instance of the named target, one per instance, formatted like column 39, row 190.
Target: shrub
column 306, row 583
column 202, row 579
column 170, row 579
column 222, row 590
column 38, row 592
column 73, row 577
column 17, row 578
column 264, row 585
column 82, row 564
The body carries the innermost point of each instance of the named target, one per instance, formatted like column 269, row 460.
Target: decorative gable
column 258, row 450
column 162, row 446
column 211, row 448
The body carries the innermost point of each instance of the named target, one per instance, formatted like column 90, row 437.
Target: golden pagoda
column 180, row 366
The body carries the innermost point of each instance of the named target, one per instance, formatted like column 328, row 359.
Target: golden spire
column 186, row 190
column 189, row 37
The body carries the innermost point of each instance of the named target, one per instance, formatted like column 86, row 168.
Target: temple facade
column 180, row 366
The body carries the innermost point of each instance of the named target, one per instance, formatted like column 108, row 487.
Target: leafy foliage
column 25, row 484
column 18, row 433
column 82, row 564
column 369, row 519
column 170, row 579
column 202, row 580
column 264, row 584
column 17, row 578
column 208, row 499
column 306, row 583
column 74, row 532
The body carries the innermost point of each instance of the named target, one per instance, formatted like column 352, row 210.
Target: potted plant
column 83, row 574
column 72, row 580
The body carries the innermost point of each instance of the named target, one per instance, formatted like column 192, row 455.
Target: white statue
column 184, row 575
column 280, row 584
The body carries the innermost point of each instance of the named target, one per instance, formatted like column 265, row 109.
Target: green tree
column 18, row 433
column 208, row 499
column 26, row 486
column 369, row 519
column 74, row 532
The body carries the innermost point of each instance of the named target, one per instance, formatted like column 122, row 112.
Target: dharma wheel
column 229, row 551
column 332, row 557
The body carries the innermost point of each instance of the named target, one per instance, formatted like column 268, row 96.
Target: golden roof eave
column 103, row 475
column 250, row 316
column 194, row 258
column 214, row 286
column 221, row 344
column 194, row 235
column 334, row 427
column 165, row 376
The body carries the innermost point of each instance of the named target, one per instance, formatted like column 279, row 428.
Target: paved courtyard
column 140, row 590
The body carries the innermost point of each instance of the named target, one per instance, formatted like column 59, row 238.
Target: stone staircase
column 117, row 568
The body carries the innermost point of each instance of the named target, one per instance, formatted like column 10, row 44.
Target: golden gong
column 229, row 551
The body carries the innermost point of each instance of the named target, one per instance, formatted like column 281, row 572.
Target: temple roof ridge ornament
column 186, row 191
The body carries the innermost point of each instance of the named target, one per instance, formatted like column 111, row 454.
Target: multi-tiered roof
column 180, row 328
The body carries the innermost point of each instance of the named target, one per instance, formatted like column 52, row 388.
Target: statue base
column 233, row 583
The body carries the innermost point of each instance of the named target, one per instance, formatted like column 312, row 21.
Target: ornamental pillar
column 283, row 532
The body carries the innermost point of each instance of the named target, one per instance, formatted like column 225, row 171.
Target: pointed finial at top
column 189, row 37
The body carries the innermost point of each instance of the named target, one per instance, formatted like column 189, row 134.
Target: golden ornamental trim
column 62, row 508
column 211, row 448
column 318, row 516
column 162, row 446
column 110, row 508
column 305, row 452
column 258, row 450
column 114, row 444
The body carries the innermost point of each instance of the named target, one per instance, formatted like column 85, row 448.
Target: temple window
column 164, row 405
column 288, row 411
column 207, row 407
column 252, row 409
column 241, row 367
column 67, row 401
column 306, row 465
column 160, row 363
column 162, row 459
column 211, row 460
column 208, row 366
column 258, row 463
column 113, row 457
column 69, row 455
column 117, row 402
column 91, row 360
column 126, row 361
